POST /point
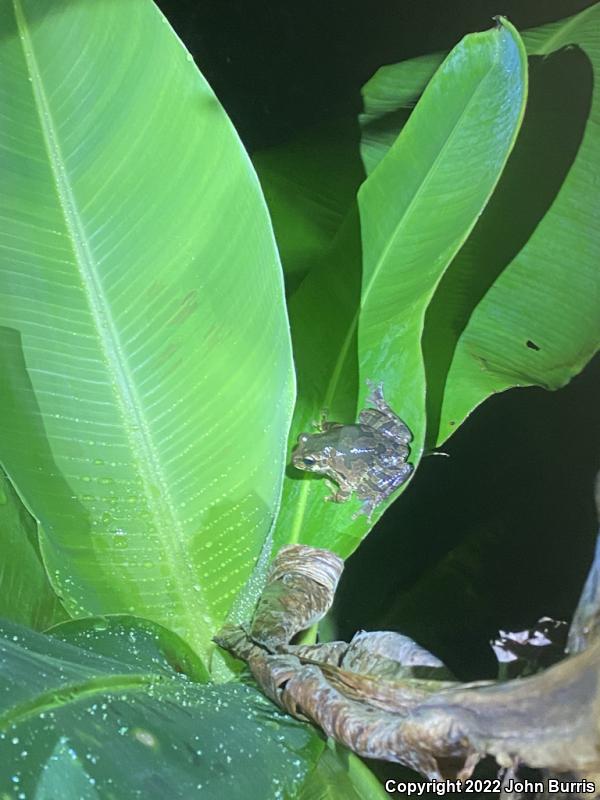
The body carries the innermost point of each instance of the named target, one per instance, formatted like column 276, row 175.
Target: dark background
column 278, row 66
column 502, row 532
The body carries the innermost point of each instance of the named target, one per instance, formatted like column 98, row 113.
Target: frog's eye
column 303, row 438
column 309, row 461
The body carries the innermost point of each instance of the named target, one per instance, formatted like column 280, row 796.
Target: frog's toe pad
column 366, row 510
column 375, row 396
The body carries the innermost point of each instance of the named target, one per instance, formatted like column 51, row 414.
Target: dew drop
column 145, row 737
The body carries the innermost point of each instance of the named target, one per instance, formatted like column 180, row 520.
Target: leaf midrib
column 67, row 694
column 198, row 623
column 332, row 385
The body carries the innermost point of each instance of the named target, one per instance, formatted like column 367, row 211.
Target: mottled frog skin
column 368, row 458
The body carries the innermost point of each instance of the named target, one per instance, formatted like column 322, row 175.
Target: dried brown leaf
column 358, row 693
column 299, row 592
column 586, row 621
column 392, row 656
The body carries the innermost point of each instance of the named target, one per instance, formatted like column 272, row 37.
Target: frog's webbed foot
column 367, row 508
column 375, row 396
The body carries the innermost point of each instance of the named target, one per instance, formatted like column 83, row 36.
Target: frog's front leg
column 322, row 425
column 339, row 493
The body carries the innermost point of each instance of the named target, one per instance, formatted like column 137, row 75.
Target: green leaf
column 64, row 776
column 134, row 641
column 340, row 775
column 388, row 98
column 310, row 184
column 310, row 181
column 416, row 210
column 520, row 305
column 144, row 347
column 25, row 592
column 74, row 723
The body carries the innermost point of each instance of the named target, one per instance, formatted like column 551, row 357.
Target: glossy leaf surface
column 134, row 641
column 361, row 316
column 25, row 592
column 75, row 723
column 309, row 185
column 143, row 342
column 388, row 98
column 520, row 304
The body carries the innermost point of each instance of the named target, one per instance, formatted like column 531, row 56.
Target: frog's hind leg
column 376, row 399
column 400, row 477
column 371, row 503
column 393, row 481
column 382, row 417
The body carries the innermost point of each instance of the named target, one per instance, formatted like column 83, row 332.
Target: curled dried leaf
column 235, row 639
column 586, row 621
column 395, row 696
column 372, row 732
column 272, row 674
column 392, row 656
column 299, row 592
column 325, row 653
column 359, row 693
column 550, row 720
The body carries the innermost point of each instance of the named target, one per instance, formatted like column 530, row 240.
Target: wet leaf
column 144, row 345
column 97, row 725
column 133, row 641
column 26, row 595
column 361, row 316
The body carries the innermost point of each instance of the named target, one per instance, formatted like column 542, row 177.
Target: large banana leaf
column 144, row 347
column 309, row 185
column 388, row 98
column 469, row 357
column 521, row 303
column 91, row 713
column 361, row 316
column 25, row 592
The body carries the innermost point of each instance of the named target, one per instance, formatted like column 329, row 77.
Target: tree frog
column 368, row 458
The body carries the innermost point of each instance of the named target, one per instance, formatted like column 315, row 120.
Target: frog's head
column 310, row 454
